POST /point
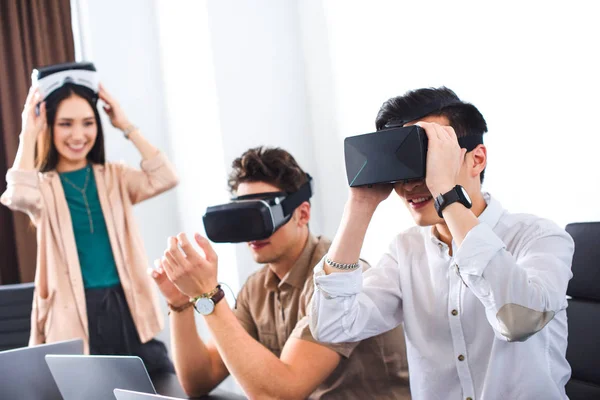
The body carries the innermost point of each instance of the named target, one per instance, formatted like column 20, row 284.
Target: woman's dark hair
column 46, row 155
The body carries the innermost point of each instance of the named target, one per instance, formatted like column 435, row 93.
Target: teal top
column 96, row 257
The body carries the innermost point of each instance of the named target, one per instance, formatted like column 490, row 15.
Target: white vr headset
column 53, row 77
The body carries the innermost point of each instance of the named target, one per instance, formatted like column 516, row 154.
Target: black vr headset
column 395, row 153
column 253, row 217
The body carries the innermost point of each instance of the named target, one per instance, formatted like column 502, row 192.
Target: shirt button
column 461, row 358
column 469, row 398
column 454, row 312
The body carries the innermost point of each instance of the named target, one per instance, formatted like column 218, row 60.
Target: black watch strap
column 453, row 196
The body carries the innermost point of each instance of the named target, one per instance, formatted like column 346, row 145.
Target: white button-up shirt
column 489, row 323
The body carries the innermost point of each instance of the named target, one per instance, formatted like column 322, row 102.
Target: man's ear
column 302, row 214
column 477, row 160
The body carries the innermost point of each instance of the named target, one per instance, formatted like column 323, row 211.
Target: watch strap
column 180, row 308
column 453, row 196
column 207, row 295
column 217, row 297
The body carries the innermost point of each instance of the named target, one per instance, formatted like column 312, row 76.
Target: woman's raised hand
column 33, row 123
column 116, row 114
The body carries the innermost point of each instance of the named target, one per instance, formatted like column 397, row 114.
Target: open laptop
column 24, row 373
column 95, row 377
column 121, row 394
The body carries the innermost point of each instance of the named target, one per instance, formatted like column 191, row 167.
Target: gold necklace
column 82, row 191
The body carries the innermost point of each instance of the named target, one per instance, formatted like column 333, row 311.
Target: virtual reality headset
column 253, row 217
column 395, row 154
column 50, row 78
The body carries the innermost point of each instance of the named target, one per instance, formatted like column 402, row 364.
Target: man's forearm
column 260, row 373
column 460, row 221
column 190, row 355
column 349, row 239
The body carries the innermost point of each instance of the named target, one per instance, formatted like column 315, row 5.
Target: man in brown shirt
column 265, row 341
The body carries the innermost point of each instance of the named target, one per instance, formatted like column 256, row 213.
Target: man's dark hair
column 272, row 165
column 464, row 117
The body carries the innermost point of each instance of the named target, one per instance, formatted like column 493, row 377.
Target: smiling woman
column 75, row 131
column 91, row 268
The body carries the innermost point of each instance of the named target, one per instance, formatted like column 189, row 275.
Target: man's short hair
column 464, row 117
column 272, row 165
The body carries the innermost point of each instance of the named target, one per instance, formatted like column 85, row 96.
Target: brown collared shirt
column 273, row 310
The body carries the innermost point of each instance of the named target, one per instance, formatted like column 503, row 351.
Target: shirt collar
column 490, row 216
column 296, row 276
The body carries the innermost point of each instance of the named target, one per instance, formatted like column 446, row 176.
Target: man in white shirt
column 481, row 292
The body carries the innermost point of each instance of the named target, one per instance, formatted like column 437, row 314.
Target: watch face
column 464, row 192
column 205, row 306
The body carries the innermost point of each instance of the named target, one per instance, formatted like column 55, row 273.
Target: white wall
column 529, row 67
column 124, row 48
column 234, row 80
column 322, row 116
column 260, row 79
column 194, row 126
column 193, row 117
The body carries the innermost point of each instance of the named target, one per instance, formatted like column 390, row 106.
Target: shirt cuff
column 337, row 284
column 22, row 177
column 477, row 250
